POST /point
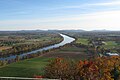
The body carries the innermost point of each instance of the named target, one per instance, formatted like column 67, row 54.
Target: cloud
column 112, row 3
column 97, row 20
column 106, row 3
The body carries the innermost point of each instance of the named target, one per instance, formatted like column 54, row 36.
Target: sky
column 59, row 14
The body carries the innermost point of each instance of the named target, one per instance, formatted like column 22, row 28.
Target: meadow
column 26, row 68
column 82, row 41
column 35, row 66
column 111, row 44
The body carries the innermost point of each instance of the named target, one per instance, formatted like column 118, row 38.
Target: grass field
column 35, row 66
column 26, row 68
column 82, row 41
column 111, row 44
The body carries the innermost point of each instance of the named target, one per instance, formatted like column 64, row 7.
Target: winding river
column 67, row 39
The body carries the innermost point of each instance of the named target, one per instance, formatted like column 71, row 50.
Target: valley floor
column 35, row 66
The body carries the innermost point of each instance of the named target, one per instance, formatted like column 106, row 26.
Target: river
column 66, row 40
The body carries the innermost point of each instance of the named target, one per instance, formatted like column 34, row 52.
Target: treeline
column 19, row 49
column 25, row 41
column 11, row 39
column 99, row 38
column 28, row 56
column 92, row 34
column 101, row 68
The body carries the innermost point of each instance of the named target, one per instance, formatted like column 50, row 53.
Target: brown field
column 35, row 66
column 70, row 52
column 4, row 48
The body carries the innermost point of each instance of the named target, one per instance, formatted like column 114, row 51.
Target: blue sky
column 59, row 14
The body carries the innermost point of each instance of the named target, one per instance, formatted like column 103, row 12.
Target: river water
column 66, row 40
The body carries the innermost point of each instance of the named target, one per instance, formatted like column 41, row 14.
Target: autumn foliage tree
column 101, row 68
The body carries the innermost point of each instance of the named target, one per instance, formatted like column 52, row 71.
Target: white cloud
column 86, row 5
column 98, row 20
column 112, row 3
column 106, row 3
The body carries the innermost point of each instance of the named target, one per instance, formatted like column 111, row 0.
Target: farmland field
column 4, row 48
column 69, row 52
column 82, row 41
column 111, row 39
column 26, row 68
column 111, row 44
column 75, row 51
column 35, row 66
column 23, row 41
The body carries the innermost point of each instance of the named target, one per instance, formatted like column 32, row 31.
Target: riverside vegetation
column 15, row 43
column 79, row 60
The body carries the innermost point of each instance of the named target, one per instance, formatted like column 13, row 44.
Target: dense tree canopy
column 101, row 68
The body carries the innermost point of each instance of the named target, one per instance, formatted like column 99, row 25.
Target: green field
column 26, row 68
column 35, row 66
column 108, row 44
column 82, row 41
column 111, row 44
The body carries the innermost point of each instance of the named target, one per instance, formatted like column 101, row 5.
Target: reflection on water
column 66, row 40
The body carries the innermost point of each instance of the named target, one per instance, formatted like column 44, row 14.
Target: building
column 112, row 54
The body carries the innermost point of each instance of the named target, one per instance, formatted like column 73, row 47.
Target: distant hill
column 67, row 30
column 74, row 30
column 104, row 30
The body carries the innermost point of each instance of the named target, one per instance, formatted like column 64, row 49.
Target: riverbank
column 35, row 53
column 29, row 45
column 35, row 66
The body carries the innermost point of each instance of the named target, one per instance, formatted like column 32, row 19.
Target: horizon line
column 60, row 30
